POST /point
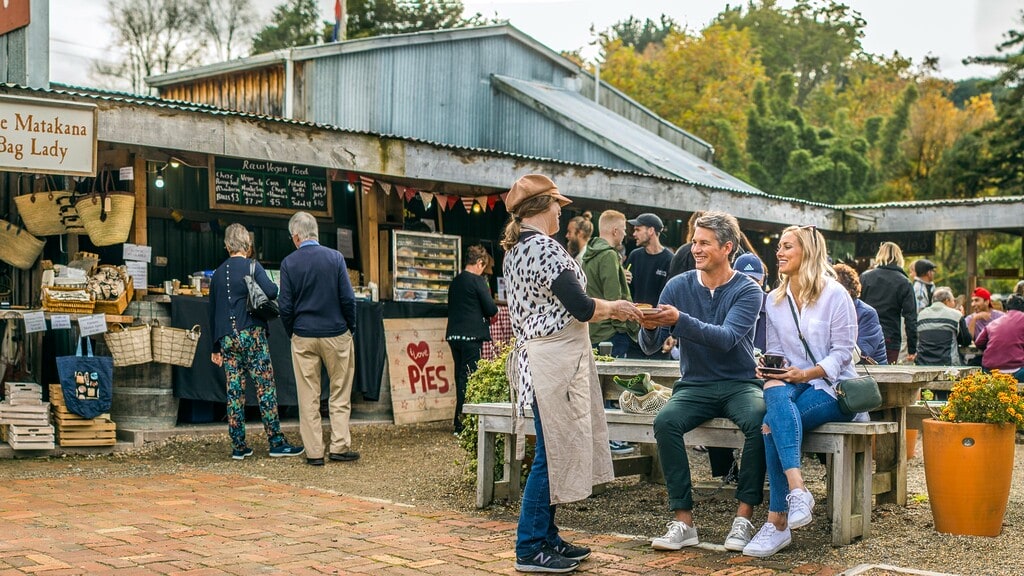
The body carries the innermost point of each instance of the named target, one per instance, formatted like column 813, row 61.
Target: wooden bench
column 848, row 447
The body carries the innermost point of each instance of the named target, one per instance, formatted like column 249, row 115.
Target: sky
column 949, row 29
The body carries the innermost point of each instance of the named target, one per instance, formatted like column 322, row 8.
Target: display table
column 501, row 333
column 205, row 381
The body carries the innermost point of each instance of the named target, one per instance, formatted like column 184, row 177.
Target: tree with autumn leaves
column 792, row 103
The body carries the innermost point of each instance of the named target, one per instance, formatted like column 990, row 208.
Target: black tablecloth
column 205, row 381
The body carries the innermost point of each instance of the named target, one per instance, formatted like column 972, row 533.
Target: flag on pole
column 337, row 21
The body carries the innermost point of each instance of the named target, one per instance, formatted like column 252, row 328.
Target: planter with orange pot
column 968, row 468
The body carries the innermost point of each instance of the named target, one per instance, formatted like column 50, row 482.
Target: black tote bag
column 86, row 381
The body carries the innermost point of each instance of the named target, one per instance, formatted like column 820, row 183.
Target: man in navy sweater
column 318, row 309
column 712, row 312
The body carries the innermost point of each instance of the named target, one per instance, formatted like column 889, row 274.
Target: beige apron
column 568, row 395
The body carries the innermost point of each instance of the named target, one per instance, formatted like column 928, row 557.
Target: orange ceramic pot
column 968, row 468
column 911, row 443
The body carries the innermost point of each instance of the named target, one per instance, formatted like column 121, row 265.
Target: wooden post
column 972, row 266
column 140, row 230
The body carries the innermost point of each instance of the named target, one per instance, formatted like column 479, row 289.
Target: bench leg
column 865, row 473
column 484, row 465
column 841, row 486
column 513, row 469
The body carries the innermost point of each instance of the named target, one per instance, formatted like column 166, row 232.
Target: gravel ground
column 423, row 465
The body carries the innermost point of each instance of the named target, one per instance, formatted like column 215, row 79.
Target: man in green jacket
column 606, row 279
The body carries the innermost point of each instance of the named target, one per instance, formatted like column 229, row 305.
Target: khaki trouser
column 337, row 354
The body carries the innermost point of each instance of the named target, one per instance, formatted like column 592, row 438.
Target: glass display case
column 424, row 265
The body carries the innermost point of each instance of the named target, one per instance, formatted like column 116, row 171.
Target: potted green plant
column 968, row 453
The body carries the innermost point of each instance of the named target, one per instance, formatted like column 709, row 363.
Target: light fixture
column 174, row 162
column 350, row 187
column 476, row 208
column 767, row 239
column 159, row 182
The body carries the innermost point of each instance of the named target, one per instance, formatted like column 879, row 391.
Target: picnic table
column 900, row 386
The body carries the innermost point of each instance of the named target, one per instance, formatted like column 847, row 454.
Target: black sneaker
column 572, row 552
column 546, row 560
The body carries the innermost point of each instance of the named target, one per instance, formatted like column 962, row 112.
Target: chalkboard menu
column 263, row 186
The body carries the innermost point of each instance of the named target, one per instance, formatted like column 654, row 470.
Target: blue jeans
column 792, row 409
column 536, row 514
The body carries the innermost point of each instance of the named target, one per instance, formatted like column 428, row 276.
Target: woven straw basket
column 131, row 345
column 17, row 247
column 41, row 212
column 175, row 345
column 107, row 216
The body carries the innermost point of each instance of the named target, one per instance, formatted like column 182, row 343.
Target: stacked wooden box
column 25, row 418
column 73, row 430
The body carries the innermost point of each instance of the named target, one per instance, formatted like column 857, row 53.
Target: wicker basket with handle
column 175, row 345
column 130, row 345
column 17, row 247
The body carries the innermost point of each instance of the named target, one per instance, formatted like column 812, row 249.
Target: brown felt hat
column 533, row 185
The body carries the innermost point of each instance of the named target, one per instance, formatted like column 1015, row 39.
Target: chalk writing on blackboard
column 269, row 186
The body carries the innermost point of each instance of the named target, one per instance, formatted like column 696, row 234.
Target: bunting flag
column 367, row 183
column 388, row 188
column 409, row 194
column 332, row 174
column 467, row 203
column 442, row 201
column 426, row 198
column 492, row 201
column 352, row 177
column 452, row 201
column 503, row 195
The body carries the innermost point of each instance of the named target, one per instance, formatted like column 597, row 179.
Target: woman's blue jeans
column 537, row 514
column 792, row 409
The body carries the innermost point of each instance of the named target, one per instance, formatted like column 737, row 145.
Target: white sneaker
column 740, row 535
column 768, row 541
column 800, row 505
column 679, row 535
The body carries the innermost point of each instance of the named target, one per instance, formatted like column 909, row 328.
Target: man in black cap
column 647, row 267
column 924, row 283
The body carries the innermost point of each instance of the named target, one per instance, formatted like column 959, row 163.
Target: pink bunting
column 426, row 198
column 452, row 201
column 367, row 183
column 492, row 201
column 467, row 203
column 352, row 177
column 442, row 201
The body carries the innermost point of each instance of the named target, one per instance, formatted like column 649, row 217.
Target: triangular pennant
column 503, row 195
column 426, row 198
column 467, row 203
column 367, row 183
column 352, row 177
column 332, row 174
column 482, row 202
column 442, row 201
column 452, row 201
column 409, row 194
column 389, row 188
column 492, row 201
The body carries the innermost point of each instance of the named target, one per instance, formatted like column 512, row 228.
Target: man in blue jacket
column 318, row 309
column 712, row 312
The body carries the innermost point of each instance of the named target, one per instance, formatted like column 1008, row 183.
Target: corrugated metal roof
column 631, row 142
column 932, row 203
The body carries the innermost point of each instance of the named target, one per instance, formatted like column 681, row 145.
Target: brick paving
column 212, row 524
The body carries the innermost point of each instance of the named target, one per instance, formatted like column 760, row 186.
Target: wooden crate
column 29, row 437
column 73, row 430
column 23, row 388
column 66, row 307
column 117, row 306
column 25, row 414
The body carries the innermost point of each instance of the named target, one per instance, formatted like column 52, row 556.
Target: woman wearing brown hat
column 551, row 370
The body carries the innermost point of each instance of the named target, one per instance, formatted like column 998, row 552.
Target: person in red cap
column 982, row 312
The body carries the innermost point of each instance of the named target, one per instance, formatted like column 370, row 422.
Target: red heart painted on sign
column 420, row 353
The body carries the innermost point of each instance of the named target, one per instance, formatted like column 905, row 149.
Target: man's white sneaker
column 768, row 541
column 679, row 535
column 801, row 503
column 740, row 535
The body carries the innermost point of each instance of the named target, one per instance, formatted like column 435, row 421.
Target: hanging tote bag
column 86, row 381
column 17, row 247
column 258, row 304
column 107, row 214
column 175, row 345
column 130, row 345
column 41, row 211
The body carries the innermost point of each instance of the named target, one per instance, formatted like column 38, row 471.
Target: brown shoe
column 344, row 456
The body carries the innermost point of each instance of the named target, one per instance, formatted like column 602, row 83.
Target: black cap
column 923, row 266
column 648, row 219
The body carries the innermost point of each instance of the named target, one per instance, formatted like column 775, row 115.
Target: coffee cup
column 168, row 287
column 773, row 360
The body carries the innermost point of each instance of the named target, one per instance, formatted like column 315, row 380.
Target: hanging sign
column 47, row 136
column 421, row 368
column 269, row 187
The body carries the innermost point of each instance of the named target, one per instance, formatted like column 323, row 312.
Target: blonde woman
column 811, row 323
column 887, row 289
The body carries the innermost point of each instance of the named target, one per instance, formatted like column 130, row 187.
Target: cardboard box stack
column 73, row 430
column 25, row 418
